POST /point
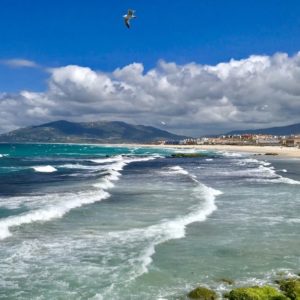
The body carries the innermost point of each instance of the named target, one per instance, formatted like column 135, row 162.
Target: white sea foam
column 50, row 212
column 148, row 238
column 115, row 168
column 107, row 159
column 294, row 220
column 63, row 203
column 265, row 163
column 44, row 169
column 270, row 175
column 79, row 167
column 177, row 170
column 3, row 155
column 231, row 154
column 260, row 171
column 185, row 150
column 175, row 228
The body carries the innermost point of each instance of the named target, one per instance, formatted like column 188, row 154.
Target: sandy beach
column 280, row 151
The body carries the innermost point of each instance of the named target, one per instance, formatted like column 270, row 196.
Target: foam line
column 170, row 229
column 263, row 172
column 45, row 169
column 70, row 201
column 50, row 212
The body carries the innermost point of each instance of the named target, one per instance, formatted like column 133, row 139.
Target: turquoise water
column 91, row 222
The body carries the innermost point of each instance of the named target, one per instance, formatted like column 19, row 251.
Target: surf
column 64, row 203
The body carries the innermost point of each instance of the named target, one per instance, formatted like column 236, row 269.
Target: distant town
column 242, row 139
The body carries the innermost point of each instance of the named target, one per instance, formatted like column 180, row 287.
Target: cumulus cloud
column 20, row 63
column 259, row 91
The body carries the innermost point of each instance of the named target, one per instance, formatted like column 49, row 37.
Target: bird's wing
column 127, row 23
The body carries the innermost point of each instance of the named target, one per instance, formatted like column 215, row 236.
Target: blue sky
column 91, row 33
column 193, row 66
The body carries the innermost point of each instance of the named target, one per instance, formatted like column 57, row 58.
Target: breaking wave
column 63, row 203
column 44, row 169
column 174, row 228
column 260, row 171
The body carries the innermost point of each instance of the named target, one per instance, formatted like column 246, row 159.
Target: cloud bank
column 259, row 91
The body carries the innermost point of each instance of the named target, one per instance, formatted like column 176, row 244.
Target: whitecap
column 44, row 169
column 50, row 212
column 177, row 170
column 264, row 172
column 231, row 154
column 107, row 159
column 79, row 166
column 63, row 203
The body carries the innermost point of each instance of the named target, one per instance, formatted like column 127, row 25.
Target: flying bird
column 130, row 15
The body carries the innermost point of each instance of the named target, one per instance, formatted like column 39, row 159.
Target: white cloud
column 259, row 91
column 19, row 63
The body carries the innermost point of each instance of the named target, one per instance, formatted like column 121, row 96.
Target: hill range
column 283, row 130
column 88, row 132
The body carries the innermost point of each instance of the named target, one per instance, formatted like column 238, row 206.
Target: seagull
column 130, row 15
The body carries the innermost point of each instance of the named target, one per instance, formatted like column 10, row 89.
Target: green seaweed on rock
column 201, row 293
column 256, row 293
column 291, row 288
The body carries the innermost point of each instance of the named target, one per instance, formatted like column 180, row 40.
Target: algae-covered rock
column 201, row 293
column 188, row 155
column 256, row 293
column 291, row 288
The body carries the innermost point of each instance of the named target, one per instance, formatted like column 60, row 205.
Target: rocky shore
column 283, row 289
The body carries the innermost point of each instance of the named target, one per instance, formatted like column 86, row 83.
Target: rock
column 291, row 288
column 256, row 293
column 189, row 155
column 271, row 153
column 201, row 293
column 226, row 280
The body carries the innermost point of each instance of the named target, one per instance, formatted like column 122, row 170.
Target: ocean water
column 105, row 222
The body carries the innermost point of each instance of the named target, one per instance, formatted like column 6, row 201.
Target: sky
column 192, row 67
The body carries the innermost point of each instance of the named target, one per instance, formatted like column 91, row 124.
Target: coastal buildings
column 245, row 139
column 291, row 141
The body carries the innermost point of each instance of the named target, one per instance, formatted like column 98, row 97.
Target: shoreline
column 279, row 151
column 288, row 152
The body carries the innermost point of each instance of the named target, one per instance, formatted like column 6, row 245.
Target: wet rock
column 188, row 155
column 201, row 293
column 226, row 280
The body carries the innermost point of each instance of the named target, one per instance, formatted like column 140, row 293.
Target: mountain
column 88, row 132
column 283, row 130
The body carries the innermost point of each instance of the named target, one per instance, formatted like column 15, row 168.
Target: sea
column 117, row 223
